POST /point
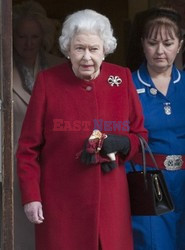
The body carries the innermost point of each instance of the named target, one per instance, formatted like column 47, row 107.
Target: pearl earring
column 68, row 57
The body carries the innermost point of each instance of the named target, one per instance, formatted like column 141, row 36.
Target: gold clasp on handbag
column 157, row 186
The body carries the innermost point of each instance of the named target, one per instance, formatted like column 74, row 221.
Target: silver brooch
column 167, row 108
column 153, row 91
column 114, row 80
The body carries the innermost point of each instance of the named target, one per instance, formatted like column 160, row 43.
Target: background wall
column 120, row 12
column 116, row 11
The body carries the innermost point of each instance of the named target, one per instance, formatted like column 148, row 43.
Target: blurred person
column 161, row 86
column 33, row 37
column 76, row 195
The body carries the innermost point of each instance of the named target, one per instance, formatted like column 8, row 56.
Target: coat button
column 88, row 88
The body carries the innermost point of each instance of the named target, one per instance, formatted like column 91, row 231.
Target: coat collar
column 144, row 77
column 18, row 88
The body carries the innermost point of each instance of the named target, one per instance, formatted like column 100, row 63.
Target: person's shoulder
column 178, row 74
column 138, row 84
column 135, row 74
column 115, row 67
column 54, row 60
column 56, row 69
column 182, row 75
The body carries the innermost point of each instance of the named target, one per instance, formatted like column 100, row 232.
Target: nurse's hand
column 34, row 212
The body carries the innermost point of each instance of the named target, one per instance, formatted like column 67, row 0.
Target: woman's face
column 161, row 49
column 28, row 39
column 86, row 54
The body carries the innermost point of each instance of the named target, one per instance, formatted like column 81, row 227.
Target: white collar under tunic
column 146, row 85
column 144, row 77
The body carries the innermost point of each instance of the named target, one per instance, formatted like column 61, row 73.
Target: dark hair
column 157, row 18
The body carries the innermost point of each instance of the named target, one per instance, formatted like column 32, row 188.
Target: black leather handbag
column 149, row 194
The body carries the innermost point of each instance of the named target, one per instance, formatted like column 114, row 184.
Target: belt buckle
column 173, row 162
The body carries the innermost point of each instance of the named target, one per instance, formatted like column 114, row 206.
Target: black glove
column 89, row 154
column 108, row 166
column 116, row 143
column 113, row 143
column 88, row 158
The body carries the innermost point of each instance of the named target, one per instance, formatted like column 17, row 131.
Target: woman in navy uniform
column 161, row 88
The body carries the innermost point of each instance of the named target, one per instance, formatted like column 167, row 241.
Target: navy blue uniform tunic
column 165, row 120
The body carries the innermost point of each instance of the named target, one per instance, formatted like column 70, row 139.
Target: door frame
column 7, row 126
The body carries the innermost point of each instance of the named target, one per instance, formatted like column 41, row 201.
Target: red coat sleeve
column 30, row 143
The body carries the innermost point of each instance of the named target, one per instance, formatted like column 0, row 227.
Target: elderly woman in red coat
column 78, row 199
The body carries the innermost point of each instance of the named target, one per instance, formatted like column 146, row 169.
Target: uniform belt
column 168, row 162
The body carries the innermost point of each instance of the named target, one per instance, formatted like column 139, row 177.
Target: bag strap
column 143, row 157
column 144, row 145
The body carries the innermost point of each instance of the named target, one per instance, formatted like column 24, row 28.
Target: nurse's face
column 86, row 54
column 161, row 48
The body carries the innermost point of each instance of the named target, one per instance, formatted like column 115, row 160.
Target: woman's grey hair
column 91, row 21
column 34, row 11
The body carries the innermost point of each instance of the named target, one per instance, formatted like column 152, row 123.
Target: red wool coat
column 82, row 205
